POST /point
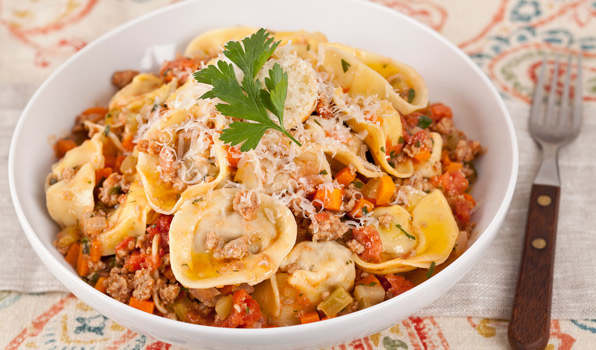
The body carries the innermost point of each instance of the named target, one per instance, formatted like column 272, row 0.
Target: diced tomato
column 397, row 285
column 371, row 240
column 462, row 208
column 245, row 311
column 138, row 261
column 161, row 226
column 453, row 183
column 439, row 111
column 124, row 243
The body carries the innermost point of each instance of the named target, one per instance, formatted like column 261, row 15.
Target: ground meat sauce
column 140, row 270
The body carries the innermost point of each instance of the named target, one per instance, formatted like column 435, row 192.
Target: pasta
column 357, row 194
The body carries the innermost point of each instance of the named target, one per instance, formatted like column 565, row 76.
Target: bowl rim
column 76, row 285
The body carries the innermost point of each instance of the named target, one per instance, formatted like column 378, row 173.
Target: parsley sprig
column 247, row 99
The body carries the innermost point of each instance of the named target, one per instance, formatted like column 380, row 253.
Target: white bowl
column 84, row 80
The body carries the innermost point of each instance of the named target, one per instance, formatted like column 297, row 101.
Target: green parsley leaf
column 424, row 122
column 405, row 232
column 185, row 265
column 197, row 200
column 383, row 149
column 323, row 172
column 401, row 140
column 372, row 284
column 411, row 95
column 106, row 130
column 345, row 65
column 248, row 100
column 431, row 270
column 364, row 210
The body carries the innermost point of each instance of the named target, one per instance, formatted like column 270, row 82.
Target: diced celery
column 337, row 301
column 369, row 295
column 66, row 237
column 180, row 309
column 223, row 307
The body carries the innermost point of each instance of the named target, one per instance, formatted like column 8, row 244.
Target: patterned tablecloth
column 502, row 36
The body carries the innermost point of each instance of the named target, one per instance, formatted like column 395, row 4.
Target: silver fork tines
column 552, row 130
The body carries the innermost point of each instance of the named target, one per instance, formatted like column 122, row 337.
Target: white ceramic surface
column 84, row 80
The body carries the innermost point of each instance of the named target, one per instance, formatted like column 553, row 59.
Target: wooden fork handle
column 530, row 321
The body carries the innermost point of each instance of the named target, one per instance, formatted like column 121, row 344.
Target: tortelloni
column 414, row 239
column 366, row 73
column 128, row 220
column 211, row 244
column 311, row 270
column 69, row 188
column 190, row 162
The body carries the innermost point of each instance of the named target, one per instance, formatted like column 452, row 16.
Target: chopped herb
column 431, row 270
column 424, row 121
column 383, row 149
column 345, row 65
column 94, row 278
column 372, row 284
column 348, row 262
column 405, row 232
column 53, row 180
column 185, row 265
column 248, row 100
column 392, row 154
column 154, row 107
column 418, row 144
column 106, row 130
column 384, row 65
column 364, row 210
column 115, row 190
column 411, row 95
column 197, row 200
column 295, row 310
column 89, row 182
column 86, row 247
column 323, row 172
column 301, row 294
column 247, row 310
column 109, row 115
column 307, row 47
column 359, row 184
column 401, row 140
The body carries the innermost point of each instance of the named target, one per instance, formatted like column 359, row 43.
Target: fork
column 529, row 327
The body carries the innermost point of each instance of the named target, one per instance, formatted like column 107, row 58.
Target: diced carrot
column 309, row 317
column 127, row 143
column 345, row 176
column 385, row 190
column 234, row 156
column 110, row 161
column 369, row 280
column 95, row 251
column 422, row 156
column 73, row 254
column 143, row 305
column 118, row 162
column 453, row 166
column 328, row 199
column 62, row 146
column 445, row 160
column 100, row 285
column 102, row 174
column 358, row 208
column 95, row 110
column 83, row 263
column 469, row 198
